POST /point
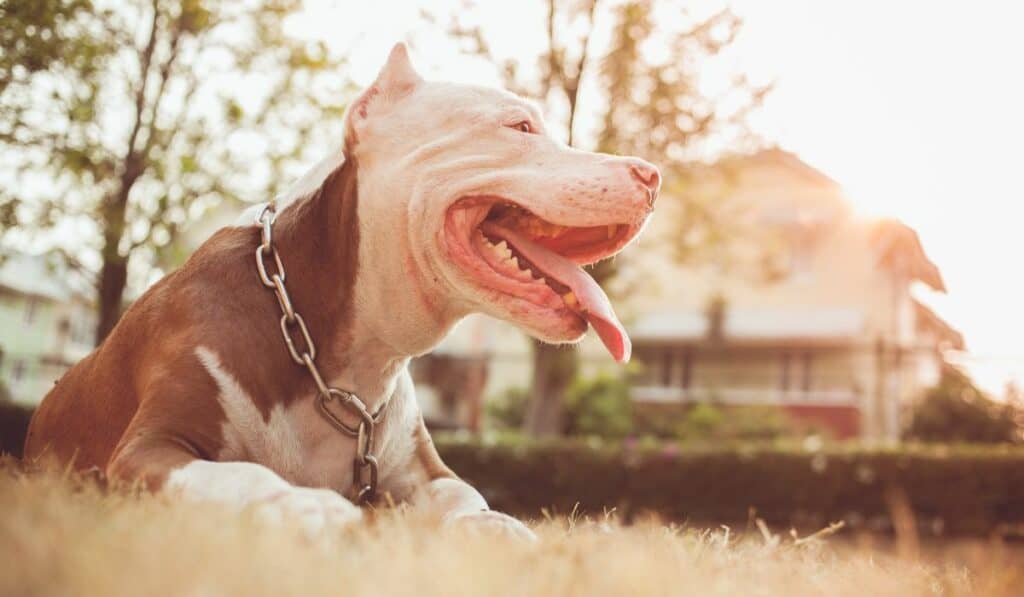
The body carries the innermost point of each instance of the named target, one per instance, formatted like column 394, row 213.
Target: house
column 46, row 324
column 805, row 305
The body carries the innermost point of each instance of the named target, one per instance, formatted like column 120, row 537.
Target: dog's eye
column 523, row 126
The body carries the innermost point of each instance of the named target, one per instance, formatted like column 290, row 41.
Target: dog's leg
column 451, row 500
column 169, row 466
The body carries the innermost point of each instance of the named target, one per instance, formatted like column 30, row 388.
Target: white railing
column 733, row 395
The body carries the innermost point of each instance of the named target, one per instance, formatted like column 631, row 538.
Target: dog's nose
column 648, row 176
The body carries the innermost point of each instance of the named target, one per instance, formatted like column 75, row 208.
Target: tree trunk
column 554, row 368
column 114, row 271
column 113, row 279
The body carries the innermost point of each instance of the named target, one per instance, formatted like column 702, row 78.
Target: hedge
column 954, row 490
column 951, row 490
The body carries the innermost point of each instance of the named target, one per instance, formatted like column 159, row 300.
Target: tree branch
column 554, row 65
column 165, row 72
column 145, row 60
column 573, row 84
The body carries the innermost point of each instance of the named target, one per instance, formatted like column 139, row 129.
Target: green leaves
column 194, row 17
column 233, row 111
column 188, row 164
column 125, row 115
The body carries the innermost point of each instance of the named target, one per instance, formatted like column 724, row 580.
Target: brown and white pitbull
column 444, row 200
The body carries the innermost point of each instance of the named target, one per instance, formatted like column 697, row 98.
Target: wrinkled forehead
column 470, row 102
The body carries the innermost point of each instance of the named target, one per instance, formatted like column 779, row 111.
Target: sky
column 914, row 107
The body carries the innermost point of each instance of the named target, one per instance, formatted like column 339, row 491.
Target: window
column 18, row 370
column 803, row 249
column 666, row 368
column 31, row 306
column 796, row 372
column 63, row 327
column 806, row 382
column 784, row 378
column 687, row 369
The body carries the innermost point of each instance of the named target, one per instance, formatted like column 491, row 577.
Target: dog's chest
column 298, row 443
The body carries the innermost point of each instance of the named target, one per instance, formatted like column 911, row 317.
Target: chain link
column 365, row 471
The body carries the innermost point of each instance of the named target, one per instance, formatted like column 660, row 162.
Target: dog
column 271, row 369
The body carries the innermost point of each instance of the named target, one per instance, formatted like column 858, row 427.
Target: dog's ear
column 397, row 79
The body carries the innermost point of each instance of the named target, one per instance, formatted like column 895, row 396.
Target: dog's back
column 85, row 414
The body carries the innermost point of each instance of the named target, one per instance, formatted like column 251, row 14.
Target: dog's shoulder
column 216, row 286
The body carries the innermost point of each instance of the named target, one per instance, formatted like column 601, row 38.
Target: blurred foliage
column 709, row 423
column 952, row 489
column 601, row 406
column 507, row 410
column 598, row 406
column 958, row 411
column 36, row 33
column 124, row 122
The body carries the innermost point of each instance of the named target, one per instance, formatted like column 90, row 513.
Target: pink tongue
column 594, row 304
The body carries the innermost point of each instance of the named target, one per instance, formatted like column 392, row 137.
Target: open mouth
column 537, row 264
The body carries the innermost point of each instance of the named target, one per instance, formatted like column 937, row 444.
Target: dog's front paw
column 314, row 510
column 491, row 521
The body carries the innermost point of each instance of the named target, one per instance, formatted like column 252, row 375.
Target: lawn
column 63, row 537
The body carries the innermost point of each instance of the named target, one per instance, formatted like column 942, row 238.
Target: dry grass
column 59, row 537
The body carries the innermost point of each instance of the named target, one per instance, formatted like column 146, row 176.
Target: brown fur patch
column 142, row 403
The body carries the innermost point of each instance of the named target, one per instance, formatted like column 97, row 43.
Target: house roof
column 777, row 156
column 754, row 325
column 928, row 319
column 900, row 248
column 898, row 245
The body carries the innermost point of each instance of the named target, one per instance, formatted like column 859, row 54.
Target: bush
column 953, row 490
column 709, row 423
column 599, row 406
column 957, row 411
column 507, row 410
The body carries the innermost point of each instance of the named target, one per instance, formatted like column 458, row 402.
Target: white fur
column 244, row 484
column 295, row 447
column 300, row 446
column 447, row 499
column 423, row 146
column 246, row 435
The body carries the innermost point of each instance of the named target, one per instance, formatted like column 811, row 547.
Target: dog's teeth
column 569, row 298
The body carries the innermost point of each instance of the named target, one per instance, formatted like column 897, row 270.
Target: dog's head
column 466, row 196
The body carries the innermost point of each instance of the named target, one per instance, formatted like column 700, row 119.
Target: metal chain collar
column 365, row 466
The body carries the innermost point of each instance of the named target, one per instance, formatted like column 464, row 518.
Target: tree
column 958, row 411
column 642, row 105
column 120, row 125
